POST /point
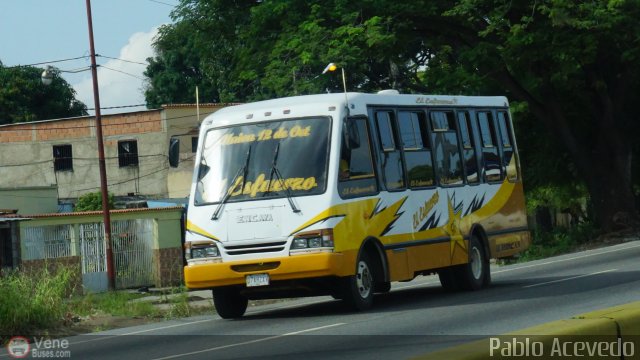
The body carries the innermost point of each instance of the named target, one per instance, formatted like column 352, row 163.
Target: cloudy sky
column 36, row 31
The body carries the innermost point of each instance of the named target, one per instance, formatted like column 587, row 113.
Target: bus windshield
column 263, row 160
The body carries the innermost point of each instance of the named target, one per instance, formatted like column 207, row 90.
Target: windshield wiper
column 274, row 170
column 227, row 192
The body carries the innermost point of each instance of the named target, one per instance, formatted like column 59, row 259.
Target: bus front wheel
column 229, row 303
column 358, row 289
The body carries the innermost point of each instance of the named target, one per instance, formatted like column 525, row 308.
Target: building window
column 194, row 144
column 62, row 158
column 128, row 153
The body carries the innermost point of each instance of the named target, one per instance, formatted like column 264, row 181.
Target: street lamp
column 47, row 75
column 50, row 72
column 331, row 67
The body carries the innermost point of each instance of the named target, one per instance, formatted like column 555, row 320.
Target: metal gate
column 133, row 252
column 94, row 260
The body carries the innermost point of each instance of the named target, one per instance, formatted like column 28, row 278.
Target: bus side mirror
column 174, row 152
column 353, row 136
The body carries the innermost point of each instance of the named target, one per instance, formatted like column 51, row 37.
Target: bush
column 558, row 241
column 92, row 202
column 32, row 301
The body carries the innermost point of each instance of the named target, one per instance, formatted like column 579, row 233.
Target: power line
column 118, row 107
column 122, row 72
column 79, row 158
column 163, row 3
column 93, row 126
column 129, row 61
column 47, row 62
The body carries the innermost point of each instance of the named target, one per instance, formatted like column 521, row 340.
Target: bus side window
column 390, row 156
column 508, row 160
column 417, row 150
column 356, row 176
column 446, row 151
column 491, row 162
column 468, row 148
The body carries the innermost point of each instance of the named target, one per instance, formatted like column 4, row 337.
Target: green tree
column 570, row 64
column 23, row 97
column 92, row 202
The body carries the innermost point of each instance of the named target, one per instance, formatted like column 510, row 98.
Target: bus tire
column 358, row 289
column 383, row 287
column 229, row 303
column 449, row 279
column 474, row 275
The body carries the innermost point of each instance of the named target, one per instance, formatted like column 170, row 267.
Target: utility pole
column 101, row 162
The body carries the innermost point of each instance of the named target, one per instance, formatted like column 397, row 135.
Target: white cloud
column 117, row 85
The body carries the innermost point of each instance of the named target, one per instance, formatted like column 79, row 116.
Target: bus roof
column 357, row 101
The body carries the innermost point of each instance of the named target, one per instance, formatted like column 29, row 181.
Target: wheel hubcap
column 364, row 281
column 476, row 263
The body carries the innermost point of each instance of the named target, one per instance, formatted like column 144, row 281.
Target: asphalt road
column 413, row 319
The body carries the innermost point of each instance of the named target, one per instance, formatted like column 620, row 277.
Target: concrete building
column 30, row 199
column 63, row 153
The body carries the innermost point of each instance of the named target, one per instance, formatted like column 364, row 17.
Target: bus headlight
column 204, row 252
column 313, row 241
column 201, row 251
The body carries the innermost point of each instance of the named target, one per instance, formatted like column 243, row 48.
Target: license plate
column 257, row 280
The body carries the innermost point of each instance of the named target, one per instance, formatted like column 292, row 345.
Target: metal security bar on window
column 133, row 252
column 47, row 242
column 62, row 158
column 92, row 248
column 128, row 153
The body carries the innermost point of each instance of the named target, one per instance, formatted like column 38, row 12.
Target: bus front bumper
column 303, row 266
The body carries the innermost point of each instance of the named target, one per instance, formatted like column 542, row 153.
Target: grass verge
column 558, row 241
column 33, row 301
column 44, row 303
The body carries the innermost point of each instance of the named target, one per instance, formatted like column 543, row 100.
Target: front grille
column 255, row 267
column 255, row 248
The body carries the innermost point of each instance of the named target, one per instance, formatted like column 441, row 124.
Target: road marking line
column 248, row 342
column 106, row 337
column 568, row 259
column 313, row 329
column 567, row 279
column 166, row 327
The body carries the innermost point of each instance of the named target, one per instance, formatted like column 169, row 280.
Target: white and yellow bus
column 342, row 194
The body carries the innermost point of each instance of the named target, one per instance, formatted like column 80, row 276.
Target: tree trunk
column 605, row 165
column 609, row 183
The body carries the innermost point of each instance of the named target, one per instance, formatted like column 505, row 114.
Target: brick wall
column 136, row 123
column 169, row 265
column 84, row 127
column 68, row 129
column 72, row 263
column 16, row 133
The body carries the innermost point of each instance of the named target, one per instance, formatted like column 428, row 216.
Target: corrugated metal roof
column 7, row 219
column 205, row 105
column 119, row 211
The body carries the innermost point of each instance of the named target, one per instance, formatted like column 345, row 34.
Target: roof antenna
column 332, row 67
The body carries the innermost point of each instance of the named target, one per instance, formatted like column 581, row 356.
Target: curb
column 611, row 333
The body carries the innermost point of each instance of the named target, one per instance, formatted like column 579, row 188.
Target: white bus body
column 342, row 194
